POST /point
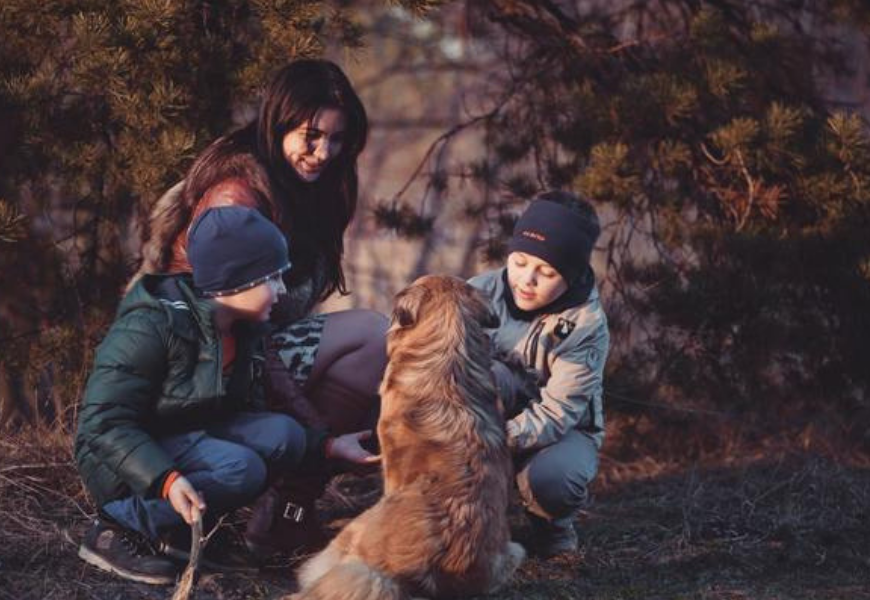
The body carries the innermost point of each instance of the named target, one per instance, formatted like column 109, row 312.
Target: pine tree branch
column 716, row 161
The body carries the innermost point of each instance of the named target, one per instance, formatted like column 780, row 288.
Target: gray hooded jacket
column 567, row 350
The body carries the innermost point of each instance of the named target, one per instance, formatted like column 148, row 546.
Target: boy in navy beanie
column 171, row 425
column 552, row 342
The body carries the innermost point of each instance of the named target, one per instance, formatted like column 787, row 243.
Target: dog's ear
column 406, row 310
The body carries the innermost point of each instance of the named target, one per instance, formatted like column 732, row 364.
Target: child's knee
column 286, row 439
column 551, row 492
column 243, row 475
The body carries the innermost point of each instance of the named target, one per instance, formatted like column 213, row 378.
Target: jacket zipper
column 532, row 342
column 219, row 357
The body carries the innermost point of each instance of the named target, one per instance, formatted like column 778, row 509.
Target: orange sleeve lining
column 167, row 484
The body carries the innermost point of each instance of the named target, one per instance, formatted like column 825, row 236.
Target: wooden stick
column 184, row 588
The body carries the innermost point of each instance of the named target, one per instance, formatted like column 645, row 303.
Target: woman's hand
column 347, row 447
column 185, row 500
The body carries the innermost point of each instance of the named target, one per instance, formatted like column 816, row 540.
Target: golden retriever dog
column 440, row 530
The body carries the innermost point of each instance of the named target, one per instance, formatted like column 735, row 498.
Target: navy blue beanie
column 232, row 249
column 555, row 233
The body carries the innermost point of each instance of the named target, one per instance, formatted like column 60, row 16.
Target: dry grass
column 783, row 519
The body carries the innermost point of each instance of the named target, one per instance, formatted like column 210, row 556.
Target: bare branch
column 185, row 586
column 443, row 138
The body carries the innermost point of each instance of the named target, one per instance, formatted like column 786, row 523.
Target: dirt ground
column 762, row 524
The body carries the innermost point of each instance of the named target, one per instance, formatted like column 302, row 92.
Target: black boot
column 285, row 519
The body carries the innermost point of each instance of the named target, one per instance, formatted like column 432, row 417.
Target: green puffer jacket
column 157, row 372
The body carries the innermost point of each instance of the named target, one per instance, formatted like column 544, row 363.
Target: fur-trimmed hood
column 177, row 207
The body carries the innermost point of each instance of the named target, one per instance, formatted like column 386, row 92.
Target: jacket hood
column 188, row 315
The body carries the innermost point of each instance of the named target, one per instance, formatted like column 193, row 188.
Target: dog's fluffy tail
column 353, row 580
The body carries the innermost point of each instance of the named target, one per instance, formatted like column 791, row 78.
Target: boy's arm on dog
column 570, row 396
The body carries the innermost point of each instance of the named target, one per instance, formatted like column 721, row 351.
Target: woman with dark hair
column 295, row 163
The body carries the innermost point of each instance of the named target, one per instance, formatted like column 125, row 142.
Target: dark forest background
column 736, row 258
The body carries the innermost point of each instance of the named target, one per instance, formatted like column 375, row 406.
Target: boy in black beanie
column 171, row 425
column 554, row 340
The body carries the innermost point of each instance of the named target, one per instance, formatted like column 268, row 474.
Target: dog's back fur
column 440, row 529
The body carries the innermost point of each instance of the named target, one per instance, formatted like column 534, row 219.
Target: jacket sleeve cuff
column 316, row 441
column 167, row 483
column 155, row 490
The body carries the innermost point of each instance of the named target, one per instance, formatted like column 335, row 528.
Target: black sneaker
column 224, row 552
column 126, row 553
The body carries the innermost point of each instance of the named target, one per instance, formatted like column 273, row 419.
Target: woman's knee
column 370, row 329
column 374, row 323
column 358, row 329
column 353, row 351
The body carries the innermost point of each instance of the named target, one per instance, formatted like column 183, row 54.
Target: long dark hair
column 321, row 210
column 313, row 215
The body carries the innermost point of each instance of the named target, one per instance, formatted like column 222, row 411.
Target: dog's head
column 437, row 298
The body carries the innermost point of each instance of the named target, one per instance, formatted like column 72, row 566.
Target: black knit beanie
column 232, row 249
column 557, row 234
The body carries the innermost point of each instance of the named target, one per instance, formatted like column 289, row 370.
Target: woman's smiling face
column 310, row 147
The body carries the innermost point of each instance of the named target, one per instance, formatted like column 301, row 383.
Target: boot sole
column 92, row 558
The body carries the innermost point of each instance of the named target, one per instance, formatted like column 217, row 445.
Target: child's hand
column 185, row 500
column 348, row 447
